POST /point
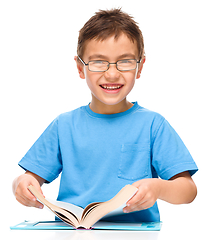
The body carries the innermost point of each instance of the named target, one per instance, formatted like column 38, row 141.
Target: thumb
column 36, row 203
column 137, row 185
column 38, row 187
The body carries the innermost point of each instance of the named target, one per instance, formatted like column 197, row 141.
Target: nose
column 112, row 74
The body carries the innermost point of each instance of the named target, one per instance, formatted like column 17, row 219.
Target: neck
column 101, row 108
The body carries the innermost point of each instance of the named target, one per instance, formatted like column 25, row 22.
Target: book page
column 117, row 202
column 118, row 211
column 64, row 214
column 68, row 206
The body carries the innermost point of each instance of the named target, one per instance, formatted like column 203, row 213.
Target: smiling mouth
column 111, row 86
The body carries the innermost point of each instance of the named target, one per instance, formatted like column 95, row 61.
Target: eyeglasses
column 103, row 66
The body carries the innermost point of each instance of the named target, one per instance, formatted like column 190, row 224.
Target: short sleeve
column 169, row 154
column 44, row 158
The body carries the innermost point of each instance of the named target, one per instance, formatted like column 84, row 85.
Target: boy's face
column 110, row 87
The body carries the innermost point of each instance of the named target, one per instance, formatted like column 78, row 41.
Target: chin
column 112, row 102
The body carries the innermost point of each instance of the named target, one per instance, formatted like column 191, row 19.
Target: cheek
column 89, row 79
column 92, row 79
column 131, row 85
column 89, row 83
column 130, row 78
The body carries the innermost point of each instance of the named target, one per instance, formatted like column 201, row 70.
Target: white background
column 39, row 80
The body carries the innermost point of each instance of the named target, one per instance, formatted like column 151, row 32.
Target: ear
column 141, row 67
column 80, row 68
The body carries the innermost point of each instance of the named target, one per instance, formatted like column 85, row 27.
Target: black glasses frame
column 108, row 65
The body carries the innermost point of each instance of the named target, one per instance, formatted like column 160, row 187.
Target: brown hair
column 107, row 23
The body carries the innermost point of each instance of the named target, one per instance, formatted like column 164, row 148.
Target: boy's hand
column 146, row 196
column 179, row 189
column 21, row 192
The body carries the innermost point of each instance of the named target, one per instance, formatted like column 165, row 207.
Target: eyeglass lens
column 122, row 65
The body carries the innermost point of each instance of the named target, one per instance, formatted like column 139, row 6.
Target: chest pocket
column 134, row 161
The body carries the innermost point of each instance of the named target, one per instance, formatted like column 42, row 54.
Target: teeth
column 111, row 87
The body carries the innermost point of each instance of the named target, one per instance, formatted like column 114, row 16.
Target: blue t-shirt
column 98, row 154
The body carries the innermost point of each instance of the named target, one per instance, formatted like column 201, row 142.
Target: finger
column 23, row 193
column 29, row 203
column 38, row 205
column 143, row 206
column 23, row 201
column 38, row 188
column 134, row 206
column 136, row 198
column 35, row 202
column 24, row 196
column 147, row 200
column 137, row 207
column 28, row 195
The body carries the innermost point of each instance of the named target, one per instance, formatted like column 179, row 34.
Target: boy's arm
column 21, row 192
column 178, row 190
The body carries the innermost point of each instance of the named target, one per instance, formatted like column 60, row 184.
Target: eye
column 125, row 61
column 100, row 62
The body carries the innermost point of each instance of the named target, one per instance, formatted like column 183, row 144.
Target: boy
column 101, row 147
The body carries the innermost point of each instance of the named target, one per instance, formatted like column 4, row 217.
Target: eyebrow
column 127, row 55
column 100, row 56
column 94, row 56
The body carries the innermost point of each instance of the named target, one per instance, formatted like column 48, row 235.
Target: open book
column 78, row 217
